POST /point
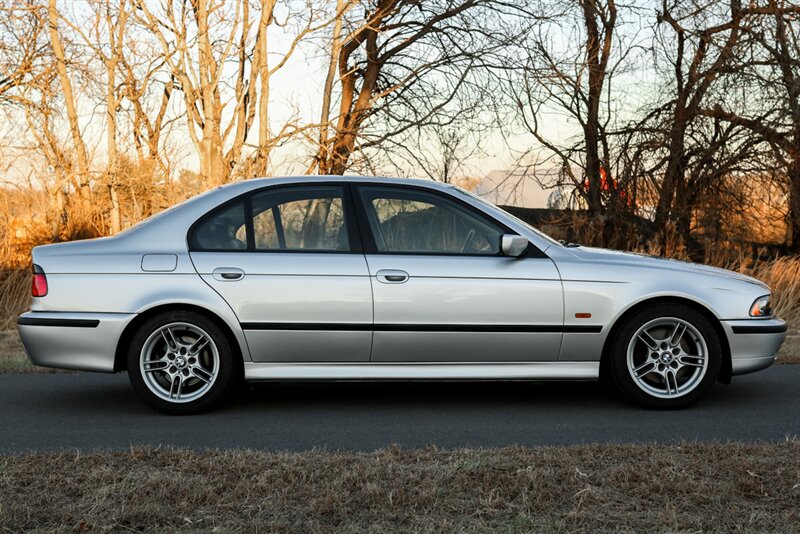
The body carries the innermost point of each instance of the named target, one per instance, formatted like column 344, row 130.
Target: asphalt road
column 92, row 411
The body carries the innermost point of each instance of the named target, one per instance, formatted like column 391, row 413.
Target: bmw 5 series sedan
column 332, row 278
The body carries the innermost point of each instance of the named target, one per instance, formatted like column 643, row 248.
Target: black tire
column 644, row 391
column 224, row 365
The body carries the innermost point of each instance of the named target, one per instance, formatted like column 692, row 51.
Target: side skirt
column 256, row 371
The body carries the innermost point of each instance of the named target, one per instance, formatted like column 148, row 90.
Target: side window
column 408, row 221
column 222, row 231
column 303, row 218
column 310, row 218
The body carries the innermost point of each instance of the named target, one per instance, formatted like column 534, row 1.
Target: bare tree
column 105, row 36
column 201, row 49
column 701, row 55
column 565, row 66
column 35, row 99
column 342, row 7
column 70, row 104
column 402, row 66
column 770, row 56
column 600, row 19
column 21, row 47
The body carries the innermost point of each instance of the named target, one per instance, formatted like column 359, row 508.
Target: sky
column 295, row 89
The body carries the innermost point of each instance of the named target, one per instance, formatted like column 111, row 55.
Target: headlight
column 761, row 307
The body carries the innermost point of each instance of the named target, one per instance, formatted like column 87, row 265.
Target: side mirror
column 513, row 245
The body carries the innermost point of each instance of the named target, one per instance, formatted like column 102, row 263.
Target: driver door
column 443, row 292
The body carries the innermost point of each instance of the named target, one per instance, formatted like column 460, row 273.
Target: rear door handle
column 227, row 274
column 392, row 276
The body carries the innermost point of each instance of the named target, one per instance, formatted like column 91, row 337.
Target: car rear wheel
column 181, row 363
column 666, row 356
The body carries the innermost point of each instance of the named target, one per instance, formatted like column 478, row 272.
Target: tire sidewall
column 225, row 376
column 618, row 364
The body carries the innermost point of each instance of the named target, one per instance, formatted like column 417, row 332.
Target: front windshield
column 487, row 203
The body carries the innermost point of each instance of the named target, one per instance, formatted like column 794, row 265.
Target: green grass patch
column 693, row 487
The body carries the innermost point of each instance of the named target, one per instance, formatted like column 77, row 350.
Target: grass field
column 13, row 359
column 599, row 488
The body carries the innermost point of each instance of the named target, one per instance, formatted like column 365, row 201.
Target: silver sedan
column 332, row 278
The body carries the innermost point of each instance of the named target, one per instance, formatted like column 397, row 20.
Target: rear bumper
column 82, row 341
column 754, row 343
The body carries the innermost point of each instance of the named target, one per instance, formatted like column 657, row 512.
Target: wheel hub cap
column 179, row 362
column 667, row 357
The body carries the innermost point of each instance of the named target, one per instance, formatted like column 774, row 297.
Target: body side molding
column 360, row 327
column 422, row 371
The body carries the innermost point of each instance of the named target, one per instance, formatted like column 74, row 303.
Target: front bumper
column 754, row 343
column 82, row 341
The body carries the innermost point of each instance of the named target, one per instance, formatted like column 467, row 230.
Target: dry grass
column 790, row 351
column 598, row 488
column 12, row 355
column 783, row 277
column 15, row 296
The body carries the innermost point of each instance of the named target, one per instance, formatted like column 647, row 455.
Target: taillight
column 39, row 285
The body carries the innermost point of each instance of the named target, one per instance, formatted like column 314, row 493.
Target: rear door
column 288, row 260
column 442, row 290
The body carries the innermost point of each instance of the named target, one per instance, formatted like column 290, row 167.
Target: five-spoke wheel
column 180, row 362
column 665, row 356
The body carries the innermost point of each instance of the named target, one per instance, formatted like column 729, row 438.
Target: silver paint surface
column 392, row 371
column 149, row 265
column 69, row 347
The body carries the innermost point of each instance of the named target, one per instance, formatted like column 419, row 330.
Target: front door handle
column 392, row 276
column 227, row 274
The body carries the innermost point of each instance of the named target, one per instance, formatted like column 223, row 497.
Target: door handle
column 392, row 276
column 227, row 274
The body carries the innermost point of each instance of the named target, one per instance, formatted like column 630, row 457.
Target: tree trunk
column 794, row 205
column 262, row 48
column 327, row 89
column 675, row 166
column 69, row 102
column 111, row 135
column 592, row 124
column 114, row 221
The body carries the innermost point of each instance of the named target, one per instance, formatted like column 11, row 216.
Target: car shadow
column 426, row 394
column 105, row 394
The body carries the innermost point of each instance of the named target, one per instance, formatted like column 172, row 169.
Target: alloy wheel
column 179, row 362
column 667, row 357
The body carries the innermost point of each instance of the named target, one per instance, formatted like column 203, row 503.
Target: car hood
column 606, row 256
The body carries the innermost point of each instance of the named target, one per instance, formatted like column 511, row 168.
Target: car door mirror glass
column 513, row 245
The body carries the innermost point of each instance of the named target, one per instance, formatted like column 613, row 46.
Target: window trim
column 369, row 244
column 350, row 220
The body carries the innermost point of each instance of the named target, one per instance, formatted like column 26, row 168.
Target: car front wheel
column 666, row 356
column 181, row 363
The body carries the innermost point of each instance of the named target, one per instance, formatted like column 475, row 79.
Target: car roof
column 255, row 183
